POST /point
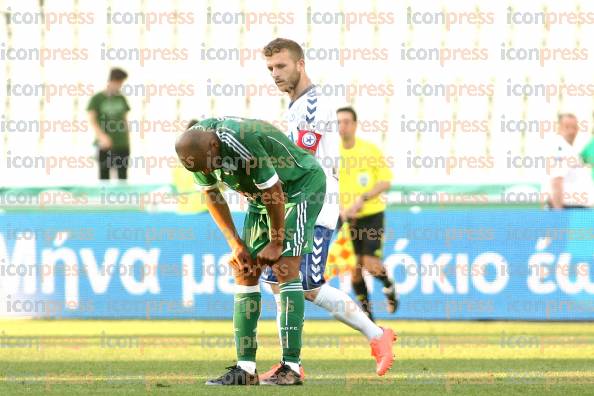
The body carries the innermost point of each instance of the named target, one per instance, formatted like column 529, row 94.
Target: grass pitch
column 176, row 357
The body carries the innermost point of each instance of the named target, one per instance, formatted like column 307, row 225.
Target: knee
column 247, row 280
column 373, row 265
column 286, row 270
column 376, row 271
column 281, row 272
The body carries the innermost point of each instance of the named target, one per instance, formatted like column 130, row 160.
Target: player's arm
column 220, row 213
column 125, row 116
column 103, row 138
column 384, row 177
column 261, row 169
column 379, row 188
column 274, row 199
column 325, row 123
column 310, row 137
column 308, row 140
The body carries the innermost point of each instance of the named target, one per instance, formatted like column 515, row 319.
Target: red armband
column 308, row 140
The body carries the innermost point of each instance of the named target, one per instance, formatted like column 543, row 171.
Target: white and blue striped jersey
column 313, row 125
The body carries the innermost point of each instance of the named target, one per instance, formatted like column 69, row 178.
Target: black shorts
column 367, row 234
column 116, row 159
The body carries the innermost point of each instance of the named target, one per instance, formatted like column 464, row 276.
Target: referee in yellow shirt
column 364, row 178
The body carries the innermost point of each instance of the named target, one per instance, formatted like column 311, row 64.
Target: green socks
column 246, row 312
column 291, row 319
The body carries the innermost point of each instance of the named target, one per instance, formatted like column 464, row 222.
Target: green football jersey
column 255, row 155
column 111, row 115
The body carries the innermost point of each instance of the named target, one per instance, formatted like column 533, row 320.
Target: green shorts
column 300, row 219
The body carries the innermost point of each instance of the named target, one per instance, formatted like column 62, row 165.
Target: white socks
column 294, row 367
column 248, row 366
column 343, row 308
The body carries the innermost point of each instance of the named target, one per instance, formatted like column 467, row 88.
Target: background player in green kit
column 285, row 188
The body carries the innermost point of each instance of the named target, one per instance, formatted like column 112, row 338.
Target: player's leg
column 269, row 277
column 357, row 280
column 371, row 251
column 292, row 309
column 356, row 317
column 290, row 313
column 299, row 238
column 123, row 161
column 375, row 267
column 360, row 288
column 290, row 299
column 338, row 303
column 103, row 164
column 246, row 312
column 246, row 309
column 381, row 347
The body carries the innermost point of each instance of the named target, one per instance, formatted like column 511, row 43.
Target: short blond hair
column 279, row 44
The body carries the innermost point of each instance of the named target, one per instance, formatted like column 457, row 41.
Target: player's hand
column 270, row 254
column 241, row 260
column 104, row 141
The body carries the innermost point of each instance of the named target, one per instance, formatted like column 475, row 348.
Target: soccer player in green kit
column 285, row 187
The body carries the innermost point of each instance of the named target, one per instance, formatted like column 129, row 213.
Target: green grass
column 176, row 357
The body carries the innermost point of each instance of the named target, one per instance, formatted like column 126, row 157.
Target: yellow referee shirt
column 362, row 166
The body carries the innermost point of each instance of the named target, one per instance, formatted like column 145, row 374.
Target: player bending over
column 285, row 188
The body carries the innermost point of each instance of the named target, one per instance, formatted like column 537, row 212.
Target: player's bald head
column 197, row 150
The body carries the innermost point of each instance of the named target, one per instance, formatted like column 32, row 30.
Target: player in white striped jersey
column 312, row 125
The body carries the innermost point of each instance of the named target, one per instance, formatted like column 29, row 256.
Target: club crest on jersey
column 363, row 179
column 309, row 139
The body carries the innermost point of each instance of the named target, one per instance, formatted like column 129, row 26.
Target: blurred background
column 191, row 59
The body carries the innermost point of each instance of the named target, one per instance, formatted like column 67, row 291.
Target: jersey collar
column 306, row 90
